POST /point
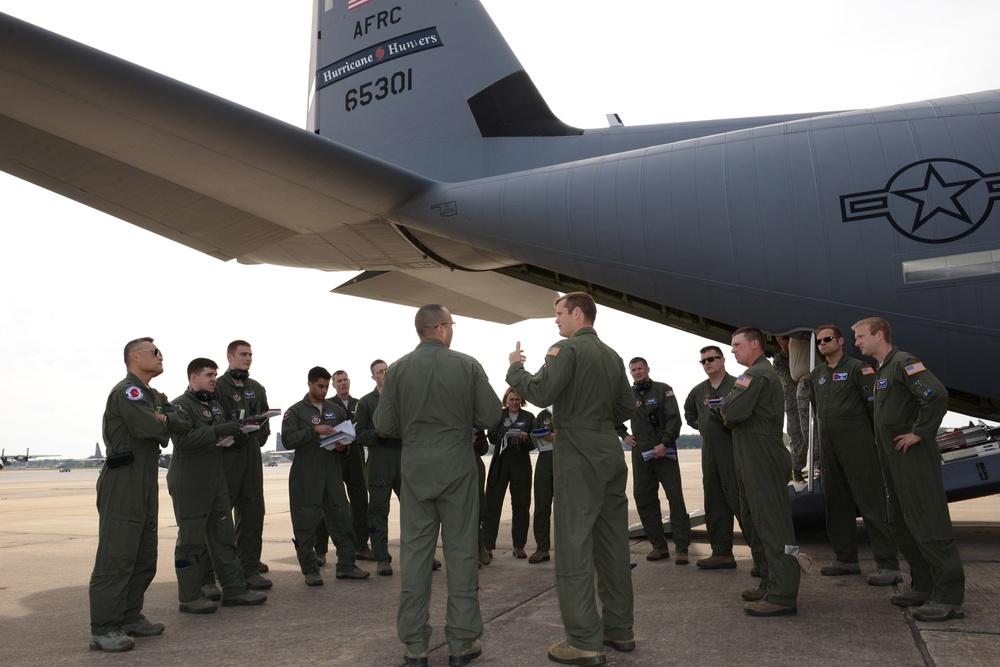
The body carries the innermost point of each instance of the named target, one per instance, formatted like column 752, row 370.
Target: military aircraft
column 435, row 166
column 5, row 460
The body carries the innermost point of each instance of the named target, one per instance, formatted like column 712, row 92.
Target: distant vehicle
column 271, row 464
column 65, row 469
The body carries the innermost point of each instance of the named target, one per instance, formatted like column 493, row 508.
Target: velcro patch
column 913, row 369
column 743, row 381
column 553, row 351
column 867, row 370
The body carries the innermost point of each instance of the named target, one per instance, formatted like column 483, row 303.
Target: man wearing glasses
column 718, row 472
column 138, row 421
column 431, row 399
column 842, row 390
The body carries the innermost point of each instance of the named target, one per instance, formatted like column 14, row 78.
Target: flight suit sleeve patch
column 743, row 381
column 913, row 369
column 867, row 370
column 553, row 351
column 288, row 413
column 669, row 393
column 133, row 393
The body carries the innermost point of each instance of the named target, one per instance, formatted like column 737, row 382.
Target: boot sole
column 190, row 610
column 242, row 603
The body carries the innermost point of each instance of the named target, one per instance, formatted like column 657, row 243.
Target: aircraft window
column 951, row 267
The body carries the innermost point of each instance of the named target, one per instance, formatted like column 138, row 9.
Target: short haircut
column 336, row 373
column 834, row 327
column 751, row 334
column 876, row 324
column 427, row 319
column 711, row 348
column 511, row 390
column 580, row 300
column 375, row 363
column 132, row 344
column 198, row 365
column 638, row 360
column 317, row 372
column 231, row 350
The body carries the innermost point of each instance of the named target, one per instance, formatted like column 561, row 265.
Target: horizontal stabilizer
column 484, row 295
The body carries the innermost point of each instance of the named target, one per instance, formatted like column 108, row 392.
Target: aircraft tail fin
column 421, row 84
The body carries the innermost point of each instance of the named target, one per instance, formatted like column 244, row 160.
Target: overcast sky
column 78, row 284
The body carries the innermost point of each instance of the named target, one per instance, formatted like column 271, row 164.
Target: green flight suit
column 355, row 478
column 754, row 411
column 316, row 484
column 718, row 468
column 843, row 397
column 127, row 503
column 584, row 380
column 511, row 466
column 243, row 467
column 657, row 420
column 909, row 399
column 385, row 458
column 432, row 398
column 197, row 486
column 543, row 486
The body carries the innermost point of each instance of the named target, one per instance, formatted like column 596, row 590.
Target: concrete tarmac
column 683, row 615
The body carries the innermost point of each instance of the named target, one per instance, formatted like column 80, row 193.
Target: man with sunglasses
column 138, row 421
column 718, row 471
column 842, row 391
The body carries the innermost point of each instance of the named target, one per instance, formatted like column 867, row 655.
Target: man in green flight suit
column 909, row 406
column 384, row 465
column 584, row 380
column 842, row 390
column 138, row 420
column 754, row 411
column 316, row 482
column 241, row 397
column 197, row 486
column 656, row 425
column 541, row 522
column 432, row 399
column 718, row 468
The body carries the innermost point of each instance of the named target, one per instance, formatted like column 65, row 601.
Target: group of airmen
column 876, row 424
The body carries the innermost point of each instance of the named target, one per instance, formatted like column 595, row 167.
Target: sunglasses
column 707, row 360
column 826, row 340
column 156, row 352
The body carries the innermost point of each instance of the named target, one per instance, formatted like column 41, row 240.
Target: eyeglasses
column 826, row 340
column 447, row 324
column 708, row 360
column 156, row 352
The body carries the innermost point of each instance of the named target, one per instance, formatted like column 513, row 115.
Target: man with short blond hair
column 909, row 406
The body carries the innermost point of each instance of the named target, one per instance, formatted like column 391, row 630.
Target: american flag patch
column 743, row 381
column 553, row 351
column 867, row 370
column 913, row 369
column 670, row 392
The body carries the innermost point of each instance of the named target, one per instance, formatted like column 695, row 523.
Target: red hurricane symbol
column 379, row 53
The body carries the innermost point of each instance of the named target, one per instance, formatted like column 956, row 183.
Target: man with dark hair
column 197, row 486
column 656, row 425
column 432, row 399
column 842, row 390
column 584, row 380
column 138, row 421
column 384, row 465
column 241, row 397
column 316, row 482
column 718, row 469
column 754, row 411
column 909, row 406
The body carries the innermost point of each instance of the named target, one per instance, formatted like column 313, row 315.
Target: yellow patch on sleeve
column 553, row 351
